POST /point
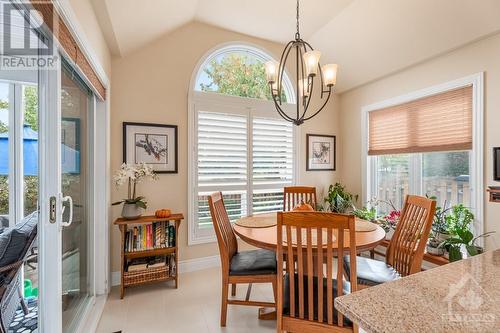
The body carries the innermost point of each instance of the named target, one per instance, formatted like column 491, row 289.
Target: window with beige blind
column 423, row 146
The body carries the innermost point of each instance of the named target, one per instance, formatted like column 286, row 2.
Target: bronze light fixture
column 307, row 70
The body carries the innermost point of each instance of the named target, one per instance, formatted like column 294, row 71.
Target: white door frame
column 49, row 236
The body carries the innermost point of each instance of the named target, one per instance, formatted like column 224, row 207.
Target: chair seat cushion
column 14, row 240
column 256, row 262
column 371, row 272
column 286, row 298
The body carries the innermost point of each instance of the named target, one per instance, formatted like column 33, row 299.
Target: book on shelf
column 156, row 235
column 141, row 264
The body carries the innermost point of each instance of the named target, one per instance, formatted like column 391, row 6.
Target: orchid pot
column 133, row 205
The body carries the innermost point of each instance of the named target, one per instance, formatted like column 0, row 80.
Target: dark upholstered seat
column 256, row 262
column 371, row 272
column 286, row 298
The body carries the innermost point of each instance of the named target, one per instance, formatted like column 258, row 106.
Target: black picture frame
column 496, row 164
column 309, row 164
column 152, row 125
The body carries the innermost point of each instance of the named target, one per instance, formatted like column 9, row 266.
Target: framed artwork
column 153, row 144
column 320, row 152
column 496, row 164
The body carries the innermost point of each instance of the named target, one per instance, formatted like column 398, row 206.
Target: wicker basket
column 146, row 275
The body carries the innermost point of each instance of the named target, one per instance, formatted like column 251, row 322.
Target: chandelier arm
column 301, row 78
column 308, row 100
column 281, row 68
column 323, row 106
column 297, row 55
column 281, row 112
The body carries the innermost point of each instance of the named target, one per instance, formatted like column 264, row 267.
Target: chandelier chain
column 297, row 17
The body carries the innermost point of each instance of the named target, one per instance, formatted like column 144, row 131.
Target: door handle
column 70, row 217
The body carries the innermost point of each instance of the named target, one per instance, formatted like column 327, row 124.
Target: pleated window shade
column 441, row 122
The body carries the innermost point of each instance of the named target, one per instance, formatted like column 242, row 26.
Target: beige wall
column 480, row 56
column 151, row 85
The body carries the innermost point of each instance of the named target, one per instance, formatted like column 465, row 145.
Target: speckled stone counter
column 463, row 296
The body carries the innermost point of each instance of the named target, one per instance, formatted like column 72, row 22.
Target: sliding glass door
column 76, row 162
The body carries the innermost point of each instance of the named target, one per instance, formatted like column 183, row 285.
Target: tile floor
column 194, row 307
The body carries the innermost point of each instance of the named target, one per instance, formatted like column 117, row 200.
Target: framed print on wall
column 320, row 152
column 153, row 144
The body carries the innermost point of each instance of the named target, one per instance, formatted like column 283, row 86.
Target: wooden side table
column 148, row 275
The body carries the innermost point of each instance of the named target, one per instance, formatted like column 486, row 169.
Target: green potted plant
column 440, row 230
column 368, row 213
column 434, row 245
column 339, row 200
column 459, row 221
column 133, row 205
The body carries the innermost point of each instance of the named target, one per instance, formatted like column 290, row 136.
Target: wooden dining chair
column 256, row 266
column 294, row 195
column 406, row 249
column 307, row 287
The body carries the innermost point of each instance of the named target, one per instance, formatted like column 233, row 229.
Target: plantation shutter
column 222, row 163
column 441, row 122
column 272, row 162
column 222, row 150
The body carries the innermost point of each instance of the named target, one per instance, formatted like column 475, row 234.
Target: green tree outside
column 237, row 75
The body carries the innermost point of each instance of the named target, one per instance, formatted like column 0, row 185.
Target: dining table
column 260, row 230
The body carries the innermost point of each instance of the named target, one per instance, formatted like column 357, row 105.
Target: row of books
column 141, row 264
column 144, row 237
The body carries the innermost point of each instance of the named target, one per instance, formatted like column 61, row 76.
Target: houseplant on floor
column 133, row 205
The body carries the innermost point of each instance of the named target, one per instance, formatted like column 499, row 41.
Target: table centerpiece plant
column 132, row 174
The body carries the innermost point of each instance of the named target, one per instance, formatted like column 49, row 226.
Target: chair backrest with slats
column 226, row 238
column 406, row 249
column 309, row 273
column 294, row 195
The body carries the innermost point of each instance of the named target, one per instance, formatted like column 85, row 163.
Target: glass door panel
column 75, row 184
column 5, row 106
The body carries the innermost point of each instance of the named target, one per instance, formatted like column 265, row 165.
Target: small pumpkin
column 304, row 207
column 163, row 213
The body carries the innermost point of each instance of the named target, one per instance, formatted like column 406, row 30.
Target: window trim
column 476, row 165
column 240, row 105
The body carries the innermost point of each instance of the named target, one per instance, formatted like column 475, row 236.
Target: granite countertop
column 463, row 296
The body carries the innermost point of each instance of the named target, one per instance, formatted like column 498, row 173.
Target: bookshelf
column 147, row 241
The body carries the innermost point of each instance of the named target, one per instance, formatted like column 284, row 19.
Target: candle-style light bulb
column 311, row 60
column 271, row 67
column 329, row 74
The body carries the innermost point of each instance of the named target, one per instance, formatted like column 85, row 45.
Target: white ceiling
column 367, row 38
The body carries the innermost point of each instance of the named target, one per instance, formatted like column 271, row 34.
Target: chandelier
column 307, row 70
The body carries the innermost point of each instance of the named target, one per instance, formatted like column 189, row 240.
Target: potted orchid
column 133, row 205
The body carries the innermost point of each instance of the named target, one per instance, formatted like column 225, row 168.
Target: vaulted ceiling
column 367, row 38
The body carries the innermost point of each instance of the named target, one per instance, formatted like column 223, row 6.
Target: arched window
column 238, row 70
column 239, row 144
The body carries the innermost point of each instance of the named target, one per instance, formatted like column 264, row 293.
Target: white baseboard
column 185, row 266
